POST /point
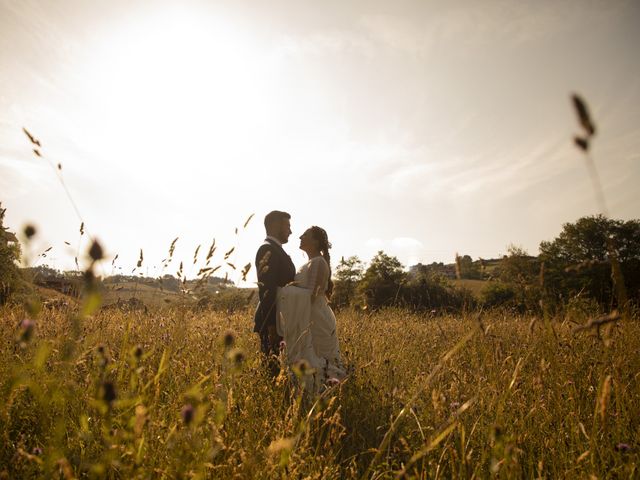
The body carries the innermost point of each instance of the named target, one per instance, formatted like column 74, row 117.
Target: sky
column 421, row 128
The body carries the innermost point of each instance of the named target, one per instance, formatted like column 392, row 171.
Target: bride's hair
column 320, row 235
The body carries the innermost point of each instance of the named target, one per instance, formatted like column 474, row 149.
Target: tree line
column 574, row 267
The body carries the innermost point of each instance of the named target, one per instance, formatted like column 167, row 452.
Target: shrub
column 498, row 294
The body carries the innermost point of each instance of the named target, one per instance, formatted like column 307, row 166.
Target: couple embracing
column 294, row 309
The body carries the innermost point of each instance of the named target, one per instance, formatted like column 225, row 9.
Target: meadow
column 177, row 393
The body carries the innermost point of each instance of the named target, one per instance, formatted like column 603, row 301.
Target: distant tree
column 517, row 266
column 433, row 269
column 226, row 299
column 42, row 272
column 429, row 289
column 348, row 274
column 382, row 281
column 521, row 273
column 10, row 276
column 171, row 283
column 467, row 268
column 577, row 261
column 496, row 294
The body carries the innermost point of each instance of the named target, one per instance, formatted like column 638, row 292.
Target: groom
column 275, row 269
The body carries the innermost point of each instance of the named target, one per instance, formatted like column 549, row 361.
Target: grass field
column 149, row 295
column 160, row 395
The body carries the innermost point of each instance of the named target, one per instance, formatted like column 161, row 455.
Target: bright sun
column 171, row 84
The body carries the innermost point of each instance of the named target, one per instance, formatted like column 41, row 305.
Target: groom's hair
column 275, row 217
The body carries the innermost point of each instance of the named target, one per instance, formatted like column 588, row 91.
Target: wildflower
column 454, row 405
column 187, row 413
column 623, row 447
column 26, row 329
column 332, row 382
column 37, row 451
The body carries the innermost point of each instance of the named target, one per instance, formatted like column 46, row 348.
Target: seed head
column 238, row 358
column 582, row 111
column 95, row 252
column 108, row 392
column 29, row 231
column 187, row 413
column 623, row 447
column 138, row 352
column 37, row 451
column 302, row 368
column 229, row 339
column 581, row 143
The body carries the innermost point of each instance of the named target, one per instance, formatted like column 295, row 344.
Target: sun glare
column 172, row 85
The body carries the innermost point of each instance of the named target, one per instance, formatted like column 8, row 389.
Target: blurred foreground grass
column 179, row 394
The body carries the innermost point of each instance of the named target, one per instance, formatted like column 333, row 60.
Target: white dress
column 307, row 323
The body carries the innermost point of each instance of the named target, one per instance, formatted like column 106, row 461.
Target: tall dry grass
column 176, row 394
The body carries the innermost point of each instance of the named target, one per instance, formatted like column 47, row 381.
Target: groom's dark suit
column 275, row 269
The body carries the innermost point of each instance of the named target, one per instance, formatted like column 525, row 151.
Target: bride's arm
column 318, row 275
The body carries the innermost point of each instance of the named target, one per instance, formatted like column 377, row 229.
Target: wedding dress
column 307, row 323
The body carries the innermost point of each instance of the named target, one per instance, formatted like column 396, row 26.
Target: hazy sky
column 422, row 128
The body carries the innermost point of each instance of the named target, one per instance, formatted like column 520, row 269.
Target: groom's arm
column 267, row 284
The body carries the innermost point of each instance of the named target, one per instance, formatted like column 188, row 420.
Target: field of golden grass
column 180, row 394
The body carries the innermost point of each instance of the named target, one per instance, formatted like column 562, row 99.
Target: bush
column 225, row 300
column 498, row 294
column 435, row 292
column 382, row 282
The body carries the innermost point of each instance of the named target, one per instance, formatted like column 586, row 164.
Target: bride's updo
column 320, row 235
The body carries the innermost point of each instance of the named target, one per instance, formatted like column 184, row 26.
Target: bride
column 305, row 320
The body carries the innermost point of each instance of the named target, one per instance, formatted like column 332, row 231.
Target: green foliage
column 381, row 283
column 385, row 283
column 497, row 294
column 228, row 300
column 10, row 278
column 519, row 273
column 518, row 266
column 467, row 268
column 577, row 261
column 426, row 290
column 347, row 275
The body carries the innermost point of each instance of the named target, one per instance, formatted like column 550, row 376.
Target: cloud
column 476, row 24
column 374, row 244
column 406, row 243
